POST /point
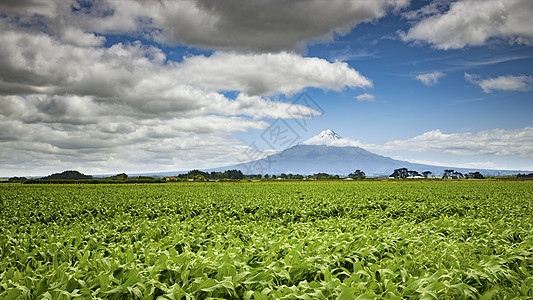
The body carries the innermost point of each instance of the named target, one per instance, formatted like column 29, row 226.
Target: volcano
column 329, row 153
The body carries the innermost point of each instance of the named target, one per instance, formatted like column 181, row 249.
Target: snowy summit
column 329, row 135
column 329, row 138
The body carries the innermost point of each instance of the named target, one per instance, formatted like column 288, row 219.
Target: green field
column 268, row 240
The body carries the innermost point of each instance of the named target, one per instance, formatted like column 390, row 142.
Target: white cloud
column 499, row 142
column 473, row 23
column 77, row 37
column 126, row 75
column 131, row 146
column 41, row 64
column 430, row 79
column 503, row 83
column 67, row 101
column 365, row 97
column 344, row 142
column 265, row 74
column 435, row 7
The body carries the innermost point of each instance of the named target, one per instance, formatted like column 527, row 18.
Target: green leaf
column 13, row 294
column 260, row 296
column 259, row 277
column 526, row 289
column 41, row 287
column 248, row 295
column 47, row 296
column 131, row 276
column 135, row 291
column 118, row 290
column 366, row 297
column 348, row 293
column 208, row 285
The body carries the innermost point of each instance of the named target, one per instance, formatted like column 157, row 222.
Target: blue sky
column 131, row 86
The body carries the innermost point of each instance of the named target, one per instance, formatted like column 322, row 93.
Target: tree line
column 404, row 173
column 197, row 175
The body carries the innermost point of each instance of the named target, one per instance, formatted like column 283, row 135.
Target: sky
column 106, row 87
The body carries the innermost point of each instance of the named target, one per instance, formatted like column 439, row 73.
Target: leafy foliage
column 267, row 240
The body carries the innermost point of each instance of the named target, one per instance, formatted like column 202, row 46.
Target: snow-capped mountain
column 329, row 135
column 328, row 152
column 330, row 138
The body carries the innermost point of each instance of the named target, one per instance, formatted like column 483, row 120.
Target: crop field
column 268, row 240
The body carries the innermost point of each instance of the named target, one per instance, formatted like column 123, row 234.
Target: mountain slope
column 325, row 153
column 310, row 159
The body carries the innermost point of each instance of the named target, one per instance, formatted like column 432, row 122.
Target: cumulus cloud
column 122, row 143
column 67, row 101
column 264, row 74
column 79, row 38
column 39, row 63
column 271, row 25
column 472, row 23
column 365, row 97
column 502, row 83
column 430, row 79
column 499, row 142
column 145, row 149
column 31, row 8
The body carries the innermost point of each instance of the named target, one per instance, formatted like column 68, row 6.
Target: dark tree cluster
column 17, row 178
column 67, row 175
column 323, row 176
column 452, row 174
column 358, row 174
column 120, row 176
column 228, row 174
column 530, row 175
column 403, row 173
column 474, row 175
column 291, row 176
